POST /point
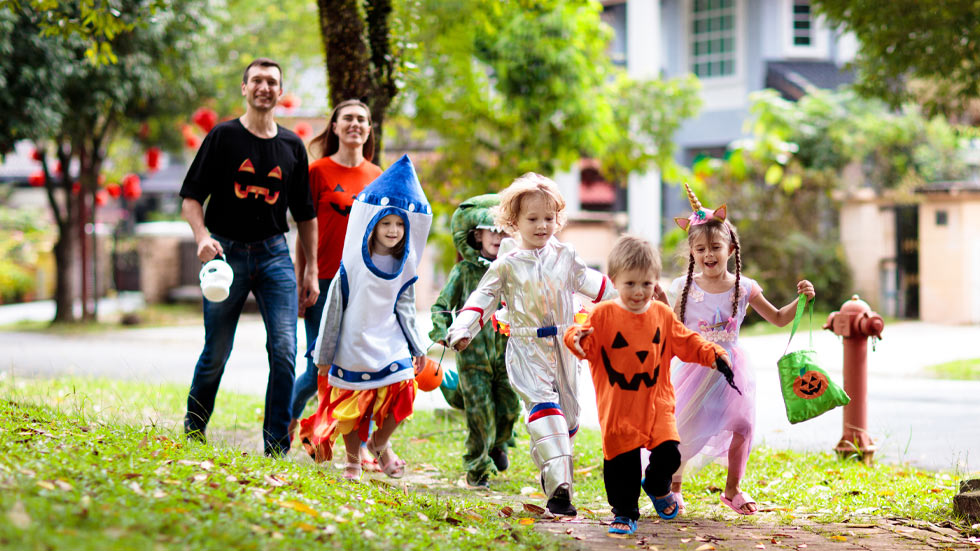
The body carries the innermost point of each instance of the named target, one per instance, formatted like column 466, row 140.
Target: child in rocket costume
column 537, row 277
column 368, row 342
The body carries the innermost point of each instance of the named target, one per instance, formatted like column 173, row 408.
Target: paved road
column 927, row 422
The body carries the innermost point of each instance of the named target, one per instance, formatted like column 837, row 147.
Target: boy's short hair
column 633, row 253
column 505, row 214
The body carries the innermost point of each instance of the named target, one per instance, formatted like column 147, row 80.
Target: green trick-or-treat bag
column 807, row 389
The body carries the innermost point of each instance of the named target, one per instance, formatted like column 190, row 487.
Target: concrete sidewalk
column 927, row 422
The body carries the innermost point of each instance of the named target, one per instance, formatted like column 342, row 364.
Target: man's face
column 262, row 88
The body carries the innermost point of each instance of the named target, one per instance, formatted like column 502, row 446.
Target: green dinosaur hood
column 471, row 214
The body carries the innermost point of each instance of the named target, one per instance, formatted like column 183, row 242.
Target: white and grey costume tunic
column 368, row 335
column 537, row 287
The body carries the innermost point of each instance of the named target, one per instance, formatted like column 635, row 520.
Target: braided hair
column 727, row 231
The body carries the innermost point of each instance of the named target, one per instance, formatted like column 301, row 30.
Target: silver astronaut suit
column 538, row 287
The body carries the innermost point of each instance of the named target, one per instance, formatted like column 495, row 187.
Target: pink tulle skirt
column 709, row 411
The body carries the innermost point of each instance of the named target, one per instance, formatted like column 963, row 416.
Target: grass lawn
column 152, row 315
column 960, row 370
column 97, row 464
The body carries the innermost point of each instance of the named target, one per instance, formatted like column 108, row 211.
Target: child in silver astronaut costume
column 537, row 276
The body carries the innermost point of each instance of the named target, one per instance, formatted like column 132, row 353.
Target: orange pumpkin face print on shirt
column 246, row 173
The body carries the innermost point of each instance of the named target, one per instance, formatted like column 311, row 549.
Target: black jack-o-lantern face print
column 266, row 193
column 632, row 360
column 810, row 385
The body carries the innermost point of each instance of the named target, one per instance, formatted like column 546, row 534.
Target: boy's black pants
column 621, row 475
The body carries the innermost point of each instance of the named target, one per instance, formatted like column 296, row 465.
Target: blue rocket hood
column 397, row 187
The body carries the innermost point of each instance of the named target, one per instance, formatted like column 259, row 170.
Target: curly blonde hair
column 505, row 214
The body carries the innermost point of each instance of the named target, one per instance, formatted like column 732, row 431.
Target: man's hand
column 577, row 340
column 309, row 290
column 659, row 294
column 208, row 248
column 461, row 345
column 723, row 367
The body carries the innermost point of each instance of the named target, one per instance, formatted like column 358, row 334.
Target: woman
column 343, row 169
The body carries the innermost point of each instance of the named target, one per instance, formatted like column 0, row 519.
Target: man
column 251, row 170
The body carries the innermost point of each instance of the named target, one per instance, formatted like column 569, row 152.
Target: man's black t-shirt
column 251, row 182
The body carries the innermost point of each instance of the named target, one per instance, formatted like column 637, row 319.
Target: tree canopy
column 902, row 40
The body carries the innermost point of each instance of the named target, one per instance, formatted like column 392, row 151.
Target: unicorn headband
column 700, row 214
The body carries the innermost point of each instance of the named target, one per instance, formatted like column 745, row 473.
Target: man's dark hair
column 262, row 62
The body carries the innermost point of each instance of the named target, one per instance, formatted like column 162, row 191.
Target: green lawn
column 95, row 464
column 960, row 370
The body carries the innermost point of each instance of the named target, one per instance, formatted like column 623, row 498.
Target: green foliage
column 961, row 370
column 528, row 86
column 904, row 40
column 23, row 235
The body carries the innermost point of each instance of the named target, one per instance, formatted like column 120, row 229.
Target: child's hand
column 461, row 345
column 806, row 288
column 442, row 342
column 659, row 294
column 723, row 367
column 418, row 362
column 579, row 335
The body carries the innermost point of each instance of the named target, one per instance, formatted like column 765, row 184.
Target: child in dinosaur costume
column 484, row 392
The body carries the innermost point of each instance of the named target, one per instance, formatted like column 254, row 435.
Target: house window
column 615, row 16
column 802, row 23
column 713, row 38
column 942, row 218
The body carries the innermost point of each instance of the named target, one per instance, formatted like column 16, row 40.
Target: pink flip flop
column 738, row 502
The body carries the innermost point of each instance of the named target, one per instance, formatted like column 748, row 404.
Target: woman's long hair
column 328, row 143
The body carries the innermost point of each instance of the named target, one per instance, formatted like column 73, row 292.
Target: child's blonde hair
column 505, row 214
column 633, row 253
column 712, row 228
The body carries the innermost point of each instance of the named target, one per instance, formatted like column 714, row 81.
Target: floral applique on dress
column 696, row 294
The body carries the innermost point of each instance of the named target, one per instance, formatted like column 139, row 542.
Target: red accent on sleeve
column 478, row 311
column 602, row 290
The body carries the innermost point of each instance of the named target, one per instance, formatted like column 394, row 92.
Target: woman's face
column 353, row 126
column 388, row 233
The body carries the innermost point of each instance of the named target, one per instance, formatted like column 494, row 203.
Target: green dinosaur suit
column 484, row 392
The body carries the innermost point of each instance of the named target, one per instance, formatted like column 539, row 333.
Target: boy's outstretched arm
column 480, row 305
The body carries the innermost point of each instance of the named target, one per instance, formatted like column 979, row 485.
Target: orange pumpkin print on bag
column 810, row 385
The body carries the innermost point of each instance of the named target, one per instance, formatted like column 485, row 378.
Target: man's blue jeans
column 305, row 386
column 264, row 269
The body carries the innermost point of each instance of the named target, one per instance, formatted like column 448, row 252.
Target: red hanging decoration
column 36, row 155
column 289, row 102
column 205, row 118
column 131, row 189
column 113, row 190
column 101, row 198
column 36, row 178
column 76, row 187
column 303, row 129
column 153, row 159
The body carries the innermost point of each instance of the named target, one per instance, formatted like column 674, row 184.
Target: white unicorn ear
column 721, row 212
column 684, row 223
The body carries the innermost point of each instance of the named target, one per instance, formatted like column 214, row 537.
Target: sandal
column 738, row 502
column 352, row 471
column 368, row 463
column 628, row 522
column 661, row 504
column 395, row 468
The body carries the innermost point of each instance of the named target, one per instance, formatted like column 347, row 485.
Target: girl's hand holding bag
column 807, row 390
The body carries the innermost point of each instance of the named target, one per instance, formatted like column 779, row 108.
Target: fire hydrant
column 855, row 322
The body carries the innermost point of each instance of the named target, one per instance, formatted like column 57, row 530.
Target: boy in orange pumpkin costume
column 629, row 343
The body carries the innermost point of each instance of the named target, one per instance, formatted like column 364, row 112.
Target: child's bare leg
column 738, row 458
column 378, row 445
column 352, row 445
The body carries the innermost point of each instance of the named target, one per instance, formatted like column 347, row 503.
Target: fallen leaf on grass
column 128, row 476
column 685, row 540
column 506, row 511
column 839, row 538
column 297, row 506
column 584, row 470
column 17, row 515
column 274, row 480
column 159, row 494
column 470, row 514
column 760, row 546
column 306, row 527
column 329, row 530
column 471, row 530
column 422, row 517
column 368, row 534
column 207, row 464
column 526, row 521
column 533, row 509
column 801, row 546
column 187, row 462
column 886, row 493
column 705, row 547
column 568, row 531
column 27, row 472
column 199, row 477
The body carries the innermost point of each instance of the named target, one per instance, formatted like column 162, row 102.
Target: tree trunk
column 65, row 258
column 383, row 88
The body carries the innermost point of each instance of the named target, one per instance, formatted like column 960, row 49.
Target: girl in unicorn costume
column 368, row 343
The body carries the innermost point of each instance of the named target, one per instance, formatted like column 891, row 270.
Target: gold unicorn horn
column 695, row 204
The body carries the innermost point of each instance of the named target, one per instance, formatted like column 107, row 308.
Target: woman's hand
column 806, row 288
column 659, row 294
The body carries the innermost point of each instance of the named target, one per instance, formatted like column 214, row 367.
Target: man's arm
column 207, row 247
column 309, row 289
